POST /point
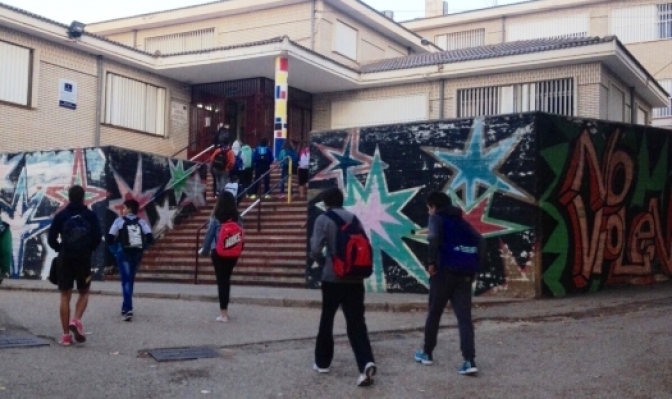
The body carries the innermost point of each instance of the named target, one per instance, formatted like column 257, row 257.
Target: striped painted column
column 281, row 94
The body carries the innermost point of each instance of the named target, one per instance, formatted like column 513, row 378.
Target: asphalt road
column 267, row 353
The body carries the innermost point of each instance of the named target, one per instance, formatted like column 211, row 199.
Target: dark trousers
column 128, row 262
column 455, row 288
column 351, row 298
column 245, row 179
column 267, row 180
column 223, row 270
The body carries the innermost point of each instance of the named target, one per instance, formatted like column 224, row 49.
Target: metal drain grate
column 21, row 342
column 174, row 354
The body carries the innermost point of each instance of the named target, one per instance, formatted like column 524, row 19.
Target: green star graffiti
column 178, row 178
column 380, row 212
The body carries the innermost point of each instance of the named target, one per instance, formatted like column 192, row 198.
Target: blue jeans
column 128, row 263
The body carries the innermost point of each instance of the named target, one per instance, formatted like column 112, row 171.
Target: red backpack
column 353, row 257
column 230, row 241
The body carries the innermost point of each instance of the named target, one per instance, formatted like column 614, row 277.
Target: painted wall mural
column 606, row 206
column 34, row 186
column 485, row 165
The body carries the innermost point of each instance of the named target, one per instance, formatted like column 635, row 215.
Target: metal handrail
column 196, row 141
column 255, row 203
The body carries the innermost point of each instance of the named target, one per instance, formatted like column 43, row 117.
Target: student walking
column 262, row 160
column 456, row 251
column 224, row 242
column 5, row 250
column 246, row 174
column 345, row 292
column 129, row 236
column 75, row 234
column 286, row 154
column 304, row 165
column 222, row 162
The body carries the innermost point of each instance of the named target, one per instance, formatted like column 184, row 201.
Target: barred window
column 135, row 105
column 665, row 21
column 181, row 42
column 552, row 96
column 665, row 112
column 458, row 40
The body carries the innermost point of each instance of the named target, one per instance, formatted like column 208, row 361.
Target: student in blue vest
column 129, row 236
column 450, row 279
column 262, row 158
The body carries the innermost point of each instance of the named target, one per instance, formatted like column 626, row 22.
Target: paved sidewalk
column 248, row 295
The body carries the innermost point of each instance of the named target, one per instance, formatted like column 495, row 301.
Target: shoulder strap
column 334, row 216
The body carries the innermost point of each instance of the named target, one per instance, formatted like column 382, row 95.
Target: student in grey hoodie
column 336, row 292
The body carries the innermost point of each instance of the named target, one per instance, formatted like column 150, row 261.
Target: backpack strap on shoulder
column 334, row 216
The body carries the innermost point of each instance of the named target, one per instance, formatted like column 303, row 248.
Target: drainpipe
column 312, row 24
column 503, row 28
column 633, row 107
column 442, row 88
column 99, row 101
column 135, row 38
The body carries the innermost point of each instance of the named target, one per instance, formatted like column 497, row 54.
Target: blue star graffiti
column 477, row 166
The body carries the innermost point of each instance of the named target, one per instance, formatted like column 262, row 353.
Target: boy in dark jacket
column 131, row 236
column 447, row 285
column 75, row 234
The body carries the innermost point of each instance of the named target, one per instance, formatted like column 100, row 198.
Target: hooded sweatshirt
column 436, row 234
column 324, row 236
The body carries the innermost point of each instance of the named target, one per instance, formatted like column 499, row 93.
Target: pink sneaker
column 78, row 330
column 66, row 340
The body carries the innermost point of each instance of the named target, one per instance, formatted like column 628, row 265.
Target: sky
column 89, row 11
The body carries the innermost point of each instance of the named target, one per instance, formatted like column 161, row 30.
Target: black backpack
column 131, row 234
column 76, row 235
column 222, row 136
column 221, row 160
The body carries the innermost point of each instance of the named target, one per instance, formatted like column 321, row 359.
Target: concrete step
column 249, row 246
column 247, row 260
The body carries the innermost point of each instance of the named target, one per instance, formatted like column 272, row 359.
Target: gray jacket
column 324, row 235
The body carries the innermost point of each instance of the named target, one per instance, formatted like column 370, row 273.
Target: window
column 15, row 72
column 345, row 40
column 135, row 105
column 667, row 111
column 616, row 104
column 561, row 27
column 642, row 116
column 642, row 23
column 665, row 21
column 181, row 42
column 458, row 40
column 552, row 96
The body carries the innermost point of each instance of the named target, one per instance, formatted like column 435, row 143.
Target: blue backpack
column 76, row 235
column 462, row 246
column 239, row 161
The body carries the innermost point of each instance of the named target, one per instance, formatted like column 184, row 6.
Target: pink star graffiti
column 143, row 197
column 347, row 160
column 92, row 194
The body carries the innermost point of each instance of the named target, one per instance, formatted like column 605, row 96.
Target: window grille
column 181, row 42
column 135, row 105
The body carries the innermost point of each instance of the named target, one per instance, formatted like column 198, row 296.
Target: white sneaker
column 320, row 370
column 222, row 319
column 366, row 378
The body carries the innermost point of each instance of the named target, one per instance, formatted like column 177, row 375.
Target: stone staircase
column 273, row 256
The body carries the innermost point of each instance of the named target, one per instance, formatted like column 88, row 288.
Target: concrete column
column 281, row 97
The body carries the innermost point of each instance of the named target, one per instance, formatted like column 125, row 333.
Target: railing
column 249, row 208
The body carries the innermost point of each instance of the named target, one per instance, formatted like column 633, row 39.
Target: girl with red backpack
column 224, row 241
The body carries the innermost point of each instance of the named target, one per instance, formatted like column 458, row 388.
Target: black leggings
column 223, row 269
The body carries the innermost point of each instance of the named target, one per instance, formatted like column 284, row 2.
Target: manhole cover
column 172, row 354
column 18, row 342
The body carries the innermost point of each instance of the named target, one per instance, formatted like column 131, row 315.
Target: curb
column 404, row 307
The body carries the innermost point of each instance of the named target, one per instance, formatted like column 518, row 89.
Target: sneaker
column 267, row 196
column 128, row 316
column 252, row 196
column 366, row 378
column 281, row 196
column 77, row 330
column 222, row 319
column 320, row 370
column 424, row 358
column 468, row 368
column 66, row 340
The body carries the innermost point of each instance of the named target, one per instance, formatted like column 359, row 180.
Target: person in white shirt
column 304, row 166
column 232, row 186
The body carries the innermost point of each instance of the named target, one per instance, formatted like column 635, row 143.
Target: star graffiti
column 478, row 216
column 136, row 193
column 165, row 216
column 178, row 178
column 477, row 166
column 23, row 222
column 195, row 191
column 92, row 194
column 380, row 212
column 7, row 166
column 345, row 161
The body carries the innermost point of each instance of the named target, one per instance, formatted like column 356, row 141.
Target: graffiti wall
column 34, row 187
column 485, row 165
column 605, row 206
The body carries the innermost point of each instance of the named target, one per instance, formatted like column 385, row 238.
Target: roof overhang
column 484, row 14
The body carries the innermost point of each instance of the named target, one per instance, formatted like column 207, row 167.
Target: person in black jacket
column 447, row 285
column 75, row 234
